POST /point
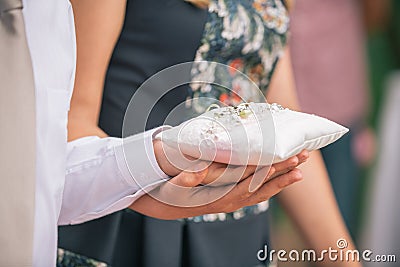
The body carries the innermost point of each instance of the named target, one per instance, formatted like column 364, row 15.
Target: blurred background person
column 346, row 30
column 382, row 228
column 328, row 55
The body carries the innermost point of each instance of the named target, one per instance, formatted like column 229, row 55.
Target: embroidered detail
column 249, row 37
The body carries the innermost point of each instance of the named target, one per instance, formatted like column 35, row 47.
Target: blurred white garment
column 382, row 231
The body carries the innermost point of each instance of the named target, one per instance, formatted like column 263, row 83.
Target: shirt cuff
column 137, row 162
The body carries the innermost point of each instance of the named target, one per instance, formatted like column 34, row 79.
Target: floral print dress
column 249, row 37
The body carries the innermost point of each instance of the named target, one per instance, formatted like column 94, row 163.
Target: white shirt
column 81, row 180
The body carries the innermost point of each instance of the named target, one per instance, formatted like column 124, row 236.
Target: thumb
column 192, row 177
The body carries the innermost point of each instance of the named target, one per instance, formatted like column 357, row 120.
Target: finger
column 179, row 190
column 303, row 156
column 290, row 164
column 224, row 195
column 277, row 174
column 191, row 178
column 285, row 166
column 224, row 174
column 250, row 170
column 260, row 177
column 216, row 170
column 273, row 187
column 177, row 161
column 242, row 190
column 182, row 190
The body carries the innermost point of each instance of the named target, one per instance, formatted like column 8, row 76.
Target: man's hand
column 173, row 163
column 183, row 196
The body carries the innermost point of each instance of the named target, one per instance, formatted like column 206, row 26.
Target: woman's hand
column 173, row 162
column 184, row 188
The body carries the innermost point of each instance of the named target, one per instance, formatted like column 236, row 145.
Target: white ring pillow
column 251, row 134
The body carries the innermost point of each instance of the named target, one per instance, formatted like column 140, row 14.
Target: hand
column 184, row 189
column 172, row 162
column 220, row 174
column 278, row 177
column 217, row 173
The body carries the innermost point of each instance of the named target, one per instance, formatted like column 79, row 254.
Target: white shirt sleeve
column 98, row 179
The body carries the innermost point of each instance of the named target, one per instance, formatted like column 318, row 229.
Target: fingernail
column 294, row 161
column 297, row 175
column 305, row 155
